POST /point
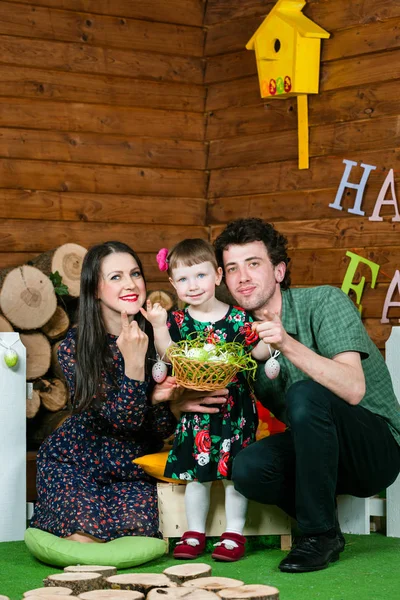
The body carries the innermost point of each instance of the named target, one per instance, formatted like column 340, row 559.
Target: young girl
column 205, row 444
column 88, row 487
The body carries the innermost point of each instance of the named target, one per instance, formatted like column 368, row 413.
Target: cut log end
column 5, row 326
column 185, row 572
column 32, row 405
column 250, row 592
column 105, row 571
column 67, row 260
column 27, row 298
column 139, row 582
column 213, row 584
column 49, row 591
column 166, row 299
column 185, row 593
column 38, row 354
column 58, row 325
column 53, row 395
column 111, row 595
column 78, row 582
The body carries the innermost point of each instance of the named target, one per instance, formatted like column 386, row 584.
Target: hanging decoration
column 272, row 367
column 10, row 356
column 287, row 46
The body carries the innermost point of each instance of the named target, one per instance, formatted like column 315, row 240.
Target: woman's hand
column 133, row 343
column 183, row 400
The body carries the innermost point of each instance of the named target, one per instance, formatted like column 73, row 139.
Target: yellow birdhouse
column 287, row 46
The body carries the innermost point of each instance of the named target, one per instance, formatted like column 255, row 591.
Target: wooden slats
column 57, row 116
column 186, row 12
column 33, row 21
column 102, row 179
column 80, row 58
column 285, row 176
column 38, row 236
column 92, row 208
column 98, row 89
column 101, row 149
column 347, row 232
column 302, row 203
column 230, row 36
column 340, row 14
column 330, row 139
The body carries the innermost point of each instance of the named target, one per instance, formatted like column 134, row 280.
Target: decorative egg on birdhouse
column 287, row 47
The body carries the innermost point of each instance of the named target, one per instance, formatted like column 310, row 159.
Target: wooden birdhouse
column 287, row 46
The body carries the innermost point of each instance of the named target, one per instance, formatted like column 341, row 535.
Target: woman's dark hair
column 245, row 231
column 93, row 355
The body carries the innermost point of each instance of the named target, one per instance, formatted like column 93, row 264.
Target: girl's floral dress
column 86, row 480
column 205, row 444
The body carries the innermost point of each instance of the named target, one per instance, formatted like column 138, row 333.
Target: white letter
column 356, row 210
column 395, row 282
column 389, row 181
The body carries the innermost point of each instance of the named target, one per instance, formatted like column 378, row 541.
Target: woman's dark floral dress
column 205, row 444
column 86, row 480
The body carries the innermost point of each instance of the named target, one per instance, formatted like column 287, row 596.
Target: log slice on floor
column 46, row 591
column 27, row 297
column 105, row 571
column 213, row 584
column 78, row 582
column 111, row 595
column 250, row 592
column 182, row 573
column 139, row 582
column 184, row 593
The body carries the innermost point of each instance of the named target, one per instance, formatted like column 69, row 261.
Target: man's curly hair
column 245, row 231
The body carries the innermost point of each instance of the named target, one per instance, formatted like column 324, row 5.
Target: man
column 333, row 391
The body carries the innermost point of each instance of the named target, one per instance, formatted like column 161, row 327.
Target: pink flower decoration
column 161, row 259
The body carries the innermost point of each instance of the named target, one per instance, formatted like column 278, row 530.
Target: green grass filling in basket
column 202, row 366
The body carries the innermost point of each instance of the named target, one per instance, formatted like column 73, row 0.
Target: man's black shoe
column 312, row 553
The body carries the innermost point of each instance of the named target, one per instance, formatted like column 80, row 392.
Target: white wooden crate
column 261, row 519
column 355, row 513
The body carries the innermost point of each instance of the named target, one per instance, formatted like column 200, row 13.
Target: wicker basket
column 202, row 376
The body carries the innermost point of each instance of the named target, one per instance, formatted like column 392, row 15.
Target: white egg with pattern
column 159, row 371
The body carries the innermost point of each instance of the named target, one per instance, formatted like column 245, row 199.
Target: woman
column 88, row 487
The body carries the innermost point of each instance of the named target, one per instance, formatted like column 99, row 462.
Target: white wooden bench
column 355, row 513
column 261, row 519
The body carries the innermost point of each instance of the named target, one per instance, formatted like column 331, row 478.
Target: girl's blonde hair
column 191, row 252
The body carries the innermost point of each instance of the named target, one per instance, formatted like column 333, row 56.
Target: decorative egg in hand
column 159, row 371
column 272, row 368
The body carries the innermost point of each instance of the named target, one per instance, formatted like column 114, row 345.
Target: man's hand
column 271, row 330
column 183, row 400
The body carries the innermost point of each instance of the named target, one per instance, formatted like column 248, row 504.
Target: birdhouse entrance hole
column 277, row 45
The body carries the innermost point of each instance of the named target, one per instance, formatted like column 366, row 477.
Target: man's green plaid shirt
column 325, row 320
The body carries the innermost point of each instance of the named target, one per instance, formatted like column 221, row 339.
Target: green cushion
column 121, row 553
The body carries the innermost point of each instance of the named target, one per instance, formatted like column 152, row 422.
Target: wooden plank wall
column 252, row 154
column 101, row 125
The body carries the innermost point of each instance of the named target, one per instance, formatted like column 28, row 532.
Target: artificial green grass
column 368, row 569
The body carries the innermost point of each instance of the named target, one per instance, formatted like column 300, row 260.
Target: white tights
column 197, row 504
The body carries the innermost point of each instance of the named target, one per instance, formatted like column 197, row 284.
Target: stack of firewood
column 31, row 302
column 189, row 581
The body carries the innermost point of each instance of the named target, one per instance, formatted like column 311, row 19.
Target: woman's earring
column 272, row 367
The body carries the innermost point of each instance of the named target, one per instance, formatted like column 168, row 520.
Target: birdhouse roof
column 290, row 12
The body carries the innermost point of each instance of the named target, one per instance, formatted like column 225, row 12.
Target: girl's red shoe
column 230, row 547
column 188, row 549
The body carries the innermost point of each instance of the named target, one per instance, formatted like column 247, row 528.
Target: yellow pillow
column 154, row 465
